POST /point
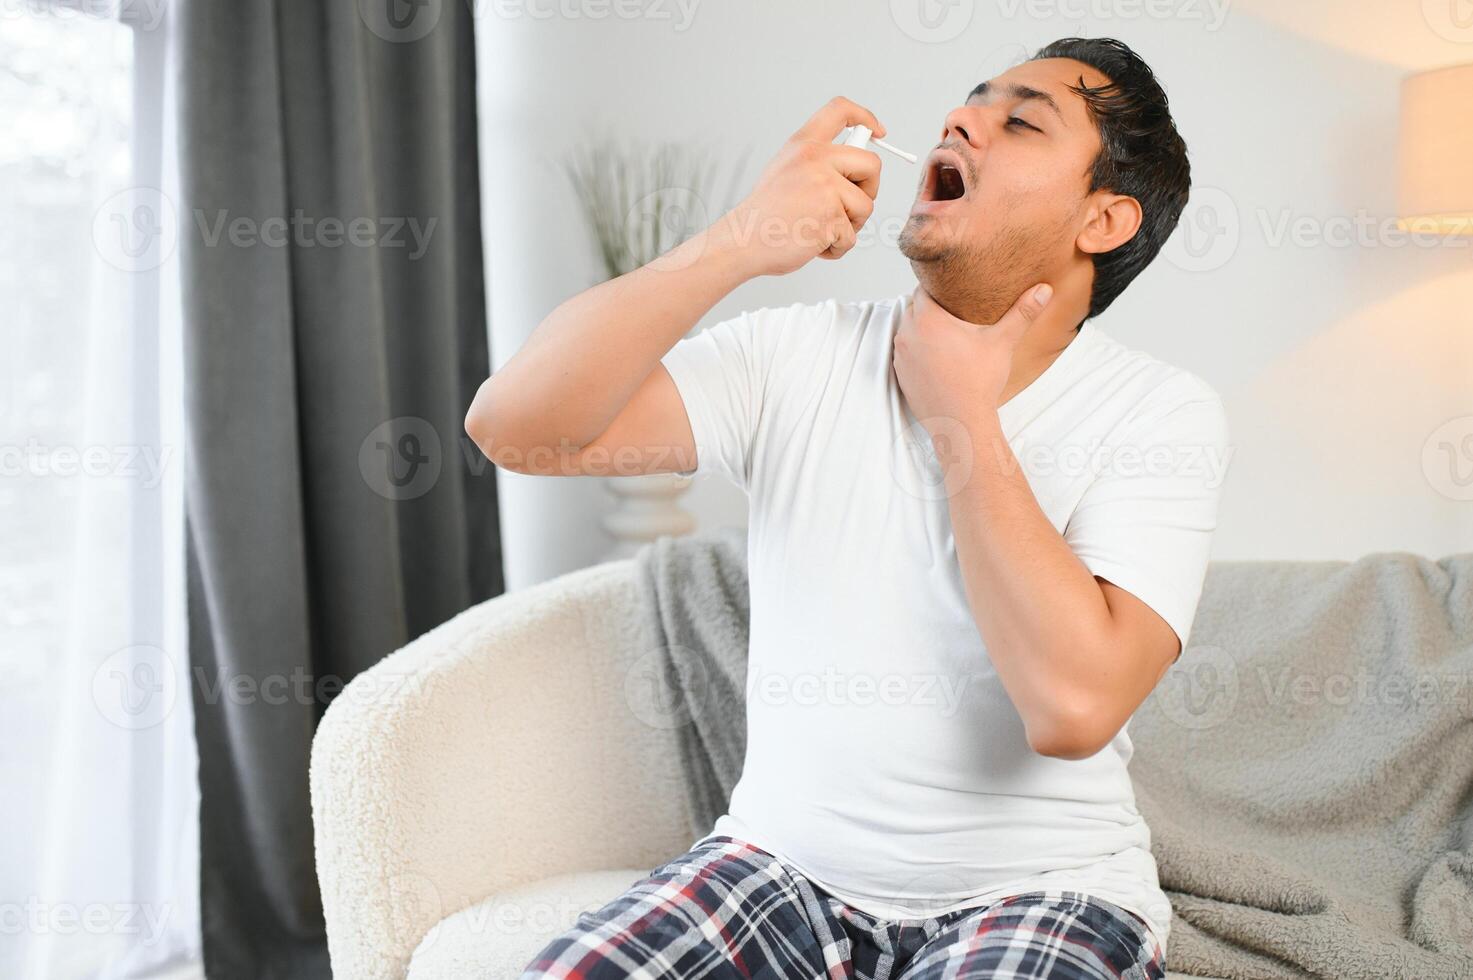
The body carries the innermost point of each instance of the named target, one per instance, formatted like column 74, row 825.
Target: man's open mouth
column 949, row 185
column 944, row 180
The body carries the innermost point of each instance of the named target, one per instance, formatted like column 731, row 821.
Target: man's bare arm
column 597, row 355
column 587, row 394
column 1076, row 653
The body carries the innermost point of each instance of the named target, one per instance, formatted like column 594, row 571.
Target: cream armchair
column 477, row 789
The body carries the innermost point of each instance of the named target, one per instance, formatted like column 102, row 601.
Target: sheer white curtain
column 98, row 875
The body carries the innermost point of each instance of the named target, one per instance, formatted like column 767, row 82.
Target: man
column 979, row 528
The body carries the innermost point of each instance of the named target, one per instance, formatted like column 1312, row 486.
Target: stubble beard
column 977, row 282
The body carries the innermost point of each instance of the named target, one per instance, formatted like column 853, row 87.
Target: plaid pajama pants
column 727, row 909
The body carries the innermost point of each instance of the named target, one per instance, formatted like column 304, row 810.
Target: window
column 95, row 735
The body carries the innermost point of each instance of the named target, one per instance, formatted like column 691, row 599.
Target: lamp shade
column 1435, row 157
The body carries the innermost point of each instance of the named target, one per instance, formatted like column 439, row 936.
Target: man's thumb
column 1027, row 309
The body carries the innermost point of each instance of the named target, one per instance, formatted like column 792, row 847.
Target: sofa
column 476, row 790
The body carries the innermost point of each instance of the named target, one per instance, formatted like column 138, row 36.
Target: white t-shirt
column 884, row 757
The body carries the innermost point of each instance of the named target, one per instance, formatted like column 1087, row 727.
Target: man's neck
column 1039, row 348
column 1054, row 330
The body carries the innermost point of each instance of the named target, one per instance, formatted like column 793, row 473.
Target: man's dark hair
column 1141, row 155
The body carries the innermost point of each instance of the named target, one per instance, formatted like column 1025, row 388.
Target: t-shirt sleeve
column 723, row 375
column 1146, row 520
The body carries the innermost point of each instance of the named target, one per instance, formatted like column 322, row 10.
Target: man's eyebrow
column 1022, row 93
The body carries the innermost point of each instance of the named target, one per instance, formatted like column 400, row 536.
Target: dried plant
column 643, row 200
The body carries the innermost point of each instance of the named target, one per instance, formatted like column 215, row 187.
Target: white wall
column 1337, row 361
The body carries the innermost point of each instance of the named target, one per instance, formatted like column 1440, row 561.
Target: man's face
column 1002, row 196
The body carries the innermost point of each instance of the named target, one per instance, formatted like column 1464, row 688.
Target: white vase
column 646, row 507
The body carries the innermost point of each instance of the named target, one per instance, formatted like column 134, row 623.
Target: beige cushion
column 497, row 938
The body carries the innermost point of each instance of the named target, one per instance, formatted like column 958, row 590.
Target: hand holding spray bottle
column 862, row 136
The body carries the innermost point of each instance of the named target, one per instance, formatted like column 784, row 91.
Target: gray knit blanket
column 695, row 613
column 1306, row 767
column 1307, row 772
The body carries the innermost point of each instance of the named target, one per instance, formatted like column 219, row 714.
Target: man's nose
column 966, row 123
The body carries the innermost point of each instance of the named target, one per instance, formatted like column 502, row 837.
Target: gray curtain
column 334, row 336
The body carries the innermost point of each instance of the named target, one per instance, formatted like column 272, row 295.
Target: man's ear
column 1114, row 220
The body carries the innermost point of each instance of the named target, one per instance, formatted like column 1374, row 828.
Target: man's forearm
column 585, row 360
column 1040, row 612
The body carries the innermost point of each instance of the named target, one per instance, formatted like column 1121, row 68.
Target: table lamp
column 1435, row 152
